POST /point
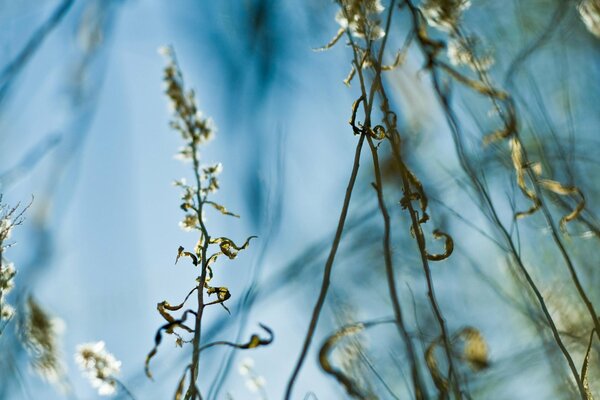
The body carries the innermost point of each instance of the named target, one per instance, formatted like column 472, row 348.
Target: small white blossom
column 189, row 223
column 180, row 182
column 185, row 154
column 214, row 169
column 6, row 278
column 165, row 51
column 7, row 311
column 362, row 18
column 6, row 226
column 255, row 383
column 245, row 367
column 99, row 366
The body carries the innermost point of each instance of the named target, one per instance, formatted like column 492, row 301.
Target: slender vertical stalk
column 192, row 392
column 420, row 392
column 326, row 271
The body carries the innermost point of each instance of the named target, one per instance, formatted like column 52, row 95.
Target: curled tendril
column 520, row 168
column 351, row 387
column 448, row 246
column 355, row 105
column 168, row 328
column 377, row 133
column 474, row 352
column 441, row 383
column 222, row 293
column 255, row 341
column 182, row 253
column 229, row 248
column 163, row 306
column 563, row 190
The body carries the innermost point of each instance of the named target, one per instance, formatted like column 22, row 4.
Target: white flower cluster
column 99, row 366
column 7, row 271
column 589, row 10
column 194, row 128
column 361, row 17
column 470, row 52
column 255, row 383
column 6, row 226
column 444, row 14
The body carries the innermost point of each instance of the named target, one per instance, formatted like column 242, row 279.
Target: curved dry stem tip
column 352, row 122
column 520, row 170
column 441, row 383
column 182, row 253
column 255, row 341
column 377, row 133
column 399, row 60
column 448, row 246
column 562, row 190
column 222, row 293
column 228, row 246
column 333, row 41
column 351, row 387
column 509, row 128
column 169, row 328
column 181, row 385
column 350, row 76
column 534, row 208
column 163, row 306
column 585, row 366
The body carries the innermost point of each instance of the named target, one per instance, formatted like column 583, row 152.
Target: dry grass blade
column 333, row 41
column 585, row 367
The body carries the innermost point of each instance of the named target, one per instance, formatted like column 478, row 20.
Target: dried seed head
column 7, row 274
column 6, row 226
column 589, row 10
column 444, row 14
column 361, row 17
column 40, row 334
column 470, row 52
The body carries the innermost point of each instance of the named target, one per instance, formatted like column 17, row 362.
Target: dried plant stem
column 420, row 391
column 327, row 271
column 376, row 84
column 394, row 140
column 192, row 392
